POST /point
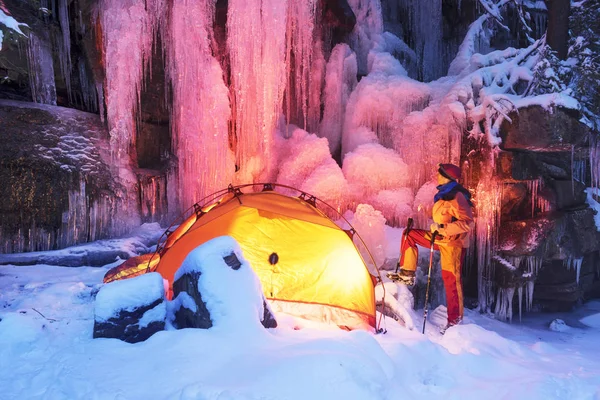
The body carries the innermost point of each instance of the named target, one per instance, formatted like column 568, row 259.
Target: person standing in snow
column 453, row 220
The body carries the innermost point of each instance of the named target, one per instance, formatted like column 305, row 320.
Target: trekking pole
column 409, row 224
column 433, row 235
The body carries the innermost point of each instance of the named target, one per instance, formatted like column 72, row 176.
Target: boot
column 405, row 276
column 450, row 324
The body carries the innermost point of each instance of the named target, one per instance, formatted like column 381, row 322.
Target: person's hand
column 434, row 227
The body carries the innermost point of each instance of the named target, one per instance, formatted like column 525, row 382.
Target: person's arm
column 464, row 217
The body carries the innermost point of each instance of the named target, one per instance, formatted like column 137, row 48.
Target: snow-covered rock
column 132, row 309
column 215, row 286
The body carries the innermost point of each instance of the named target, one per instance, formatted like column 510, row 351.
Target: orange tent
column 308, row 266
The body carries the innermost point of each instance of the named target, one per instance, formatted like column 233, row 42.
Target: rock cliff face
column 546, row 222
column 61, row 188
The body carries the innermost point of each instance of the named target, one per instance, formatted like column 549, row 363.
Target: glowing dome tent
column 308, row 265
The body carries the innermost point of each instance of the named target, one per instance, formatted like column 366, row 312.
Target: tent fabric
column 133, row 267
column 318, row 273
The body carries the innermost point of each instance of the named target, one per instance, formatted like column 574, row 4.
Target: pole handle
column 433, row 235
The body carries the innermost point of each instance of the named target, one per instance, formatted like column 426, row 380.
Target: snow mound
column 558, row 325
column 592, row 321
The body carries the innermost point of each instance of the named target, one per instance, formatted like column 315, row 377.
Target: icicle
column 256, row 39
column 299, row 54
column 575, row 263
column 41, row 70
column 538, row 203
column 529, row 286
column 520, row 294
column 65, row 45
column 201, row 112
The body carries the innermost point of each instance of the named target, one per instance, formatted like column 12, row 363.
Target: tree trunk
column 557, row 35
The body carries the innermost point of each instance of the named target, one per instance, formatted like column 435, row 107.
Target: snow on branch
column 495, row 84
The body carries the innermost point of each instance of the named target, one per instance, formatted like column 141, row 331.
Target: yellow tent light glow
column 308, row 266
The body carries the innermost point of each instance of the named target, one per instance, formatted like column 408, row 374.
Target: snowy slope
column 46, row 352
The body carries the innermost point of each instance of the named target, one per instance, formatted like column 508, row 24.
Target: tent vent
column 273, row 258
column 232, row 261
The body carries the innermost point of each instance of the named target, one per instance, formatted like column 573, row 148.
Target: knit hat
column 449, row 171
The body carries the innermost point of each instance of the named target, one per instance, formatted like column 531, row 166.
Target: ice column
column 64, row 45
column 302, row 52
column 41, row 70
column 340, row 81
column 201, row 111
column 369, row 24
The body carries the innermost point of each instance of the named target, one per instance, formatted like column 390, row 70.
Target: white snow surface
column 47, row 352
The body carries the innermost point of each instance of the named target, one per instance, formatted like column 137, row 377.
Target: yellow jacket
column 456, row 219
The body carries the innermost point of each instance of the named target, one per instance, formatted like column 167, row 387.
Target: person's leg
column 451, row 259
column 409, row 253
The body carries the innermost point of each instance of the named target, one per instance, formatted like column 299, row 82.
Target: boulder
column 539, row 129
column 574, row 236
column 131, row 310
column 568, row 194
column 524, row 238
column 513, row 199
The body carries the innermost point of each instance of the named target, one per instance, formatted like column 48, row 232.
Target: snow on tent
column 308, row 266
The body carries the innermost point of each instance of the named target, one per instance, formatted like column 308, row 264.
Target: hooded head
column 449, row 171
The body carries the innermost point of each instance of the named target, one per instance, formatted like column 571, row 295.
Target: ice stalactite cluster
column 257, row 42
column 201, row 110
column 489, row 196
column 41, row 69
column 525, row 271
column 538, row 203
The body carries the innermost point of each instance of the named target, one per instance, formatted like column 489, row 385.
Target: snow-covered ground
column 47, row 352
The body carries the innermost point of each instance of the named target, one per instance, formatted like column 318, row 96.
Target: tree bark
column 557, row 34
